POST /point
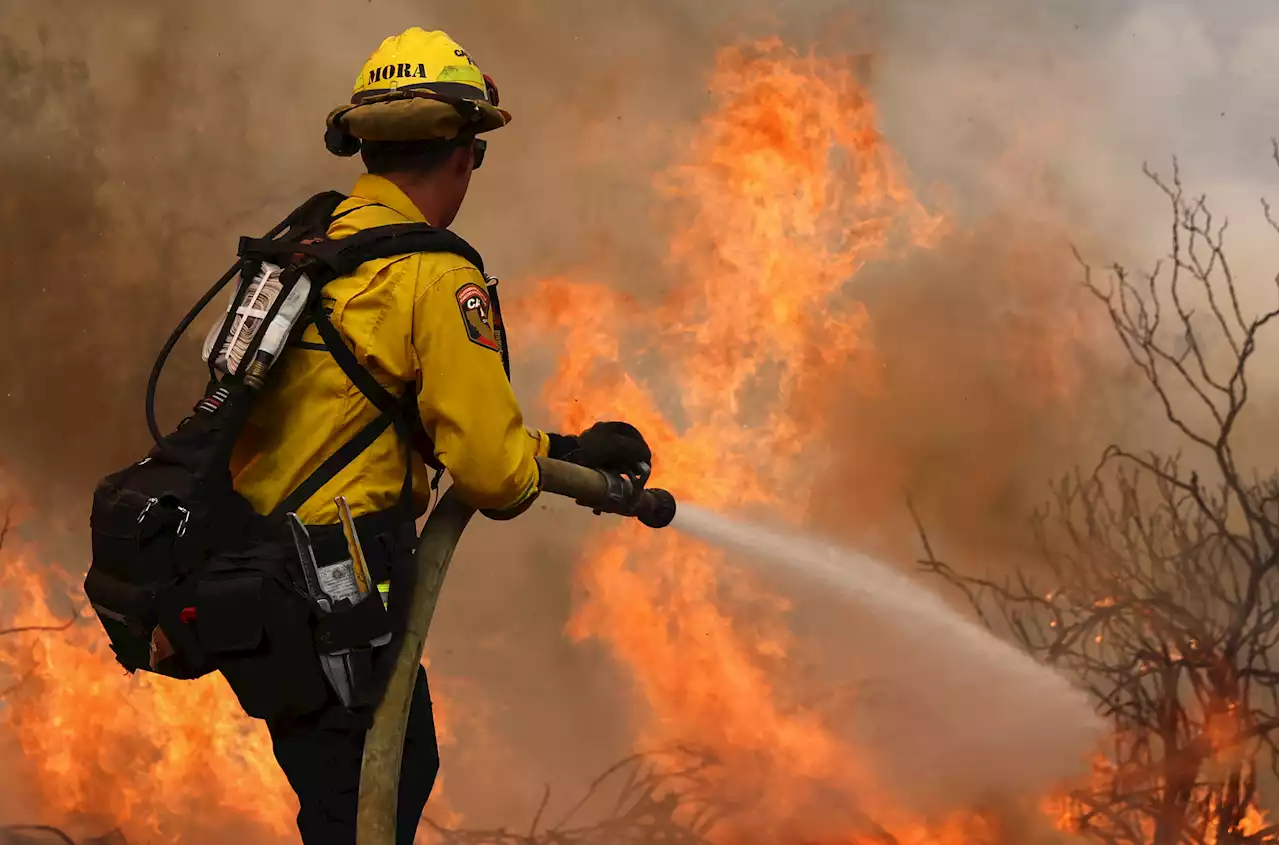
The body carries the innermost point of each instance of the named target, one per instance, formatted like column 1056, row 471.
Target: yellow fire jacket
column 419, row 320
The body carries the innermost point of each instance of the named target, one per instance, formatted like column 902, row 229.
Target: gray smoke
column 1030, row 123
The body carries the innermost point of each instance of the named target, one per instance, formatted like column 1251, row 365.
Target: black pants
column 320, row 755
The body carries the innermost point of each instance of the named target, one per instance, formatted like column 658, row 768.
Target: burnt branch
column 25, row 834
column 22, row 629
column 5, row 528
column 43, row 834
column 8, row 522
column 1157, row 590
column 654, row 797
column 1196, row 277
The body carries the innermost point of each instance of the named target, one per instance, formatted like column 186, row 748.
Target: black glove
column 613, row 446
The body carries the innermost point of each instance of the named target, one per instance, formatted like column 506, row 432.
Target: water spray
column 949, row 714
column 603, row 492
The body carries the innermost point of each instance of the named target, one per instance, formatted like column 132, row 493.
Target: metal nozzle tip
column 657, row 510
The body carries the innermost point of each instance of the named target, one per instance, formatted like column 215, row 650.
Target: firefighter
column 424, row 325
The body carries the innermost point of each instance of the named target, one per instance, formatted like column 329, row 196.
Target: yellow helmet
column 416, row 86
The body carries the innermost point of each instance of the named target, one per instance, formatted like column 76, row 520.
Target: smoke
column 1000, row 372
column 143, row 138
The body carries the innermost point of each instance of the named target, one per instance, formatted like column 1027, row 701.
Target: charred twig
column 660, row 797
column 1159, row 593
column 23, row 629
column 19, row 834
column 8, row 522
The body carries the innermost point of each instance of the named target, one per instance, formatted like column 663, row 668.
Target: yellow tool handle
column 364, row 582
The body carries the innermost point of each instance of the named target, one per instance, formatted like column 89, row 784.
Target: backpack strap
column 402, row 413
column 399, row 239
column 333, row 465
column 340, row 258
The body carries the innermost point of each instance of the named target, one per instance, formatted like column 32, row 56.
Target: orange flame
column 162, row 760
column 157, row 758
column 786, row 192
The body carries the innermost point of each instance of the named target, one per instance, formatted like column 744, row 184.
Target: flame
column 1254, row 821
column 787, row 191
column 155, row 757
column 783, row 195
column 1221, row 802
column 162, row 760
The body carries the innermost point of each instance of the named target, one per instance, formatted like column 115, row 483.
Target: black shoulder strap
column 333, row 465
column 339, row 258
column 313, row 217
column 499, row 327
column 402, row 413
column 399, row 239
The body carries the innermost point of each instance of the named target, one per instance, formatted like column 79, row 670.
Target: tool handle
column 360, row 568
column 307, row 560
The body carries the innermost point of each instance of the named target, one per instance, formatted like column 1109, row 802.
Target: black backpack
column 158, row 525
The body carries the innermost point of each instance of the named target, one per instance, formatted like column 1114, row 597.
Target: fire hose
column 603, row 492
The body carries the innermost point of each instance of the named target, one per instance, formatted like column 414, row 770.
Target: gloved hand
column 613, row 446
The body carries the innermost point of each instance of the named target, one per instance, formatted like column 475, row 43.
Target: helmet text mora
column 403, row 70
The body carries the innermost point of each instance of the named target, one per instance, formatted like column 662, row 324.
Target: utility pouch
column 351, row 623
column 229, row 617
column 349, row 627
column 140, row 559
column 348, row 637
column 150, row 529
column 346, row 643
column 256, row 629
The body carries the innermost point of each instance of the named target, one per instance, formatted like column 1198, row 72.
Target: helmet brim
column 417, row 119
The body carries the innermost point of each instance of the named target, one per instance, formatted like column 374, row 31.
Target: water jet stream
column 951, row 713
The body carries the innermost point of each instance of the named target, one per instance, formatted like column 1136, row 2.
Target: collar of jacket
column 384, row 192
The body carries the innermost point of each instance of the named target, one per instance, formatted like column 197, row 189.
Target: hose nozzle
column 656, row 508
column 609, row 492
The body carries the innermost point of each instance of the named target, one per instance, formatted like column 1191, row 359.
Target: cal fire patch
column 473, row 302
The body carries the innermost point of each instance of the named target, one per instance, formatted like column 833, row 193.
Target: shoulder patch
column 473, row 303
